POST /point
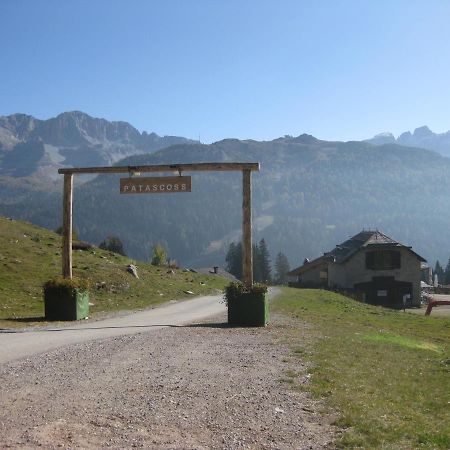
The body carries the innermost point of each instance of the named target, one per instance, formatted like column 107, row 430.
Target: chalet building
column 378, row 269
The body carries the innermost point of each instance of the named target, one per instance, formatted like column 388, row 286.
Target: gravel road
column 202, row 386
column 15, row 344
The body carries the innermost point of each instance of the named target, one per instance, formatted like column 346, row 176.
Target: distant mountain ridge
column 422, row 137
column 309, row 195
column 34, row 147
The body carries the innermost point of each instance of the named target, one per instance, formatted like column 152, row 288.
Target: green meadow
column 385, row 373
column 30, row 255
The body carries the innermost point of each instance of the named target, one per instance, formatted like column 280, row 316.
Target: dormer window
column 383, row 260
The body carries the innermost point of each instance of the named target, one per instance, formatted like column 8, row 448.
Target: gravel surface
column 197, row 387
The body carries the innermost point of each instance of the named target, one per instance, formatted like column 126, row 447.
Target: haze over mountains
column 310, row 194
column 422, row 137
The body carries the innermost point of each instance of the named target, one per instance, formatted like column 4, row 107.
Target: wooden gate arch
column 245, row 168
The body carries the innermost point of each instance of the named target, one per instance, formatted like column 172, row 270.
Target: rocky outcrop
column 422, row 137
column 30, row 146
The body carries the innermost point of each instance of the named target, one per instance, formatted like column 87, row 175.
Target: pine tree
column 447, row 273
column 261, row 261
column 264, row 261
column 281, row 268
column 257, row 267
column 439, row 271
column 234, row 260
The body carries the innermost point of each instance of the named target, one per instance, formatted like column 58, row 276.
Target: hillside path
column 17, row 344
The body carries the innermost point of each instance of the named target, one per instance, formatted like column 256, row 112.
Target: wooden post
column 67, row 226
column 247, row 256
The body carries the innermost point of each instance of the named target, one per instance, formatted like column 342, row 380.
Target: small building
column 375, row 267
column 215, row 270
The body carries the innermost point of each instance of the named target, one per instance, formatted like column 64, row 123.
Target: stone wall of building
column 353, row 271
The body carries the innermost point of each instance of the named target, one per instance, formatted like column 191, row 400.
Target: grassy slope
column 386, row 372
column 30, row 255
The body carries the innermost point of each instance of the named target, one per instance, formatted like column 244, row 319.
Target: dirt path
column 16, row 344
column 437, row 311
column 194, row 387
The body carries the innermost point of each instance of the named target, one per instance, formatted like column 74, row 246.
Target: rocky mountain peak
column 72, row 138
column 382, row 138
column 19, row 125
column 423, row 131
column 422, row 137
column 405, row 135
column 80, row 128
column 305, row 139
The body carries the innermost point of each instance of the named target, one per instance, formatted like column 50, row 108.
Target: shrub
column 113, row 244
column 66, row 285
column 235, row 289
column 159, row 255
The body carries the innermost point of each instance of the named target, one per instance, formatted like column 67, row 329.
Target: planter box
column 248, row 309
column 66, row 304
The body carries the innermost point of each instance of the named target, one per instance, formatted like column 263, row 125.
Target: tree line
column 262, row 269
column 442, row 274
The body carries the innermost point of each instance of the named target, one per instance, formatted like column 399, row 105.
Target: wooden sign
column 155, row 185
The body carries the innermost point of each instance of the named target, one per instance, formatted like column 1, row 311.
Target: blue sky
column 246, row 69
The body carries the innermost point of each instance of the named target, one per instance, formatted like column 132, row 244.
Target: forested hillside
column 309, row 196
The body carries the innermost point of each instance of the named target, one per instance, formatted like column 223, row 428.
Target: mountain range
column 33, row 147
column 422, row 137
column 310, row 194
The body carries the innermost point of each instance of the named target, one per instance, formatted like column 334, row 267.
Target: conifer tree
column 264, row 261
column 447, row 273
column 257, row 267
column 261, row 261
column 281, row 268
column 234, row 260
column 439, row 271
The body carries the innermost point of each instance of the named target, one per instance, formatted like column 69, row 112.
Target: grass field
column 30, row 255
column 387, row 373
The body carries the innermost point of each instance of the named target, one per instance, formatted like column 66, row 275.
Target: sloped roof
column 342, row 252
column 376, row 238
column 363, row 239
column 309, row 265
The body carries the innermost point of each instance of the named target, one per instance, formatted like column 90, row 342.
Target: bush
column 66, row 285
column 159, row 255
column 113, row 244
column 235, row 289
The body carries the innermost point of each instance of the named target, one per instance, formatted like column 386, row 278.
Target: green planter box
column 248, row 309
column 66, row 304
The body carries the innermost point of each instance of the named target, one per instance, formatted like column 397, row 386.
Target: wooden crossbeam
column 231, row 166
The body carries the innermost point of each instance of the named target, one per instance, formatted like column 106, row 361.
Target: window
column 383, row 260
